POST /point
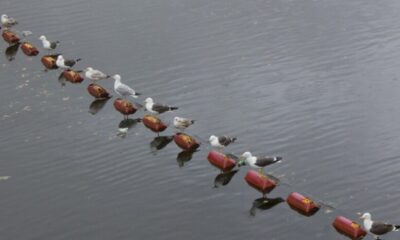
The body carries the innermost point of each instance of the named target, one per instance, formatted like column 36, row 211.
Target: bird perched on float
column 122, row 89
column 8, row 21
column 221, row 141
column 48, row 44
column 182, row 123
column 157, row 108
column 378, row 228
column 94, row 74
column 257, row 162
column 66, row 63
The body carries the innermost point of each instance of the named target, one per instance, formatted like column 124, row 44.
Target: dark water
column 314, row 81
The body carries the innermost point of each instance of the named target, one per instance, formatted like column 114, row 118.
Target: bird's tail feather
column 233, row 139
column 396, row 228
column 77, row 60
column 173, row 108
column 57, row 42
column 138, row 93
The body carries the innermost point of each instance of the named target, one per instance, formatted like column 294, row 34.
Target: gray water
column 314, row 81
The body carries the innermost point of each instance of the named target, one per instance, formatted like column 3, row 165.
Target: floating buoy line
column 228, row 164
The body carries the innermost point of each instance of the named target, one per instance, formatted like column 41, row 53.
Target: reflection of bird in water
column 224, row 178
column 122, row 132
column 47, row 44
column 11, row 51
column 183, row 157
column 8, row 21
column 97, row 105
column 62, row 80
column 264, row 203
column 182, row 123
column 257, row 162
column 378, row 228
column 160, row 142
column 129, row 123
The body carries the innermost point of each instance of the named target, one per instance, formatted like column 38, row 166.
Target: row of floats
column 260, row 182
column 296, row 201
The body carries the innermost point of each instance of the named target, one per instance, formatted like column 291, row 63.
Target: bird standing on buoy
column 8, row 21
column 157, row 108
column 257, row 162
column 378, row 228
column 122, row 89
column 47, row 44
column 182, row 123
column 94, row 74
column 66, row 63
column 221, row 141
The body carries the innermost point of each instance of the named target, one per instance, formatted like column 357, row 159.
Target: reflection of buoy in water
column 123, row 106
column 154, row 123
column 72, row 76
column 98, row 91
column 49, row 61
column 10, row 37
column 29, row 49
column 186, row 142
column 224, row 178
column 221, row 161
column 349, row 228
column 11, row 51
column 302, row 204
column 184, row 157
column 260, row 182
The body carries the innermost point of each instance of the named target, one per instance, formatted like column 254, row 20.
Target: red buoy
column 10, row 37
column 301, row 204
column 29, row 49
column 72, row 76
column 154, row 123
column 221, row 161
column 98, row 91
column 349, row 228
column 124, row 106
column 49, row 61
column 260, row 182
column 186, row 142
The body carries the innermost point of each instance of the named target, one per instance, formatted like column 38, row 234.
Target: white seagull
column 221, row 141
column 156, row 107
column 257, row 162
column 66, row 63
column 378, row 228
column 94, row 74
column 8, row 21
column 182, row 123
column 47, row 44
column 122, row 89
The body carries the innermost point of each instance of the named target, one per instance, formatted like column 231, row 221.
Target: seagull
column 221, row 141
column 47, row 44
column 94, row 74
column 182, row 123
column 122, row 89
column 156, row 107
column 257, row 162
column 66, row 63
column 8, row 21
column 378, row 228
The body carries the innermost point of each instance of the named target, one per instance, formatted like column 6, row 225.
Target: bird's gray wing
column 98, row 75
column 53, row 45
column 225, row 140
column 125, row 89
column 69, row 62
column 265, row 161
column 160, row 108
column 380, row 228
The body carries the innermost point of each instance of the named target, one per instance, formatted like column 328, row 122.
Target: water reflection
column 61, row 79
column 224, row 178
column 125, row 125
column 160, row 142
column 11, row 51
column 264, row 203
column 97, row 105
column 184, row 157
